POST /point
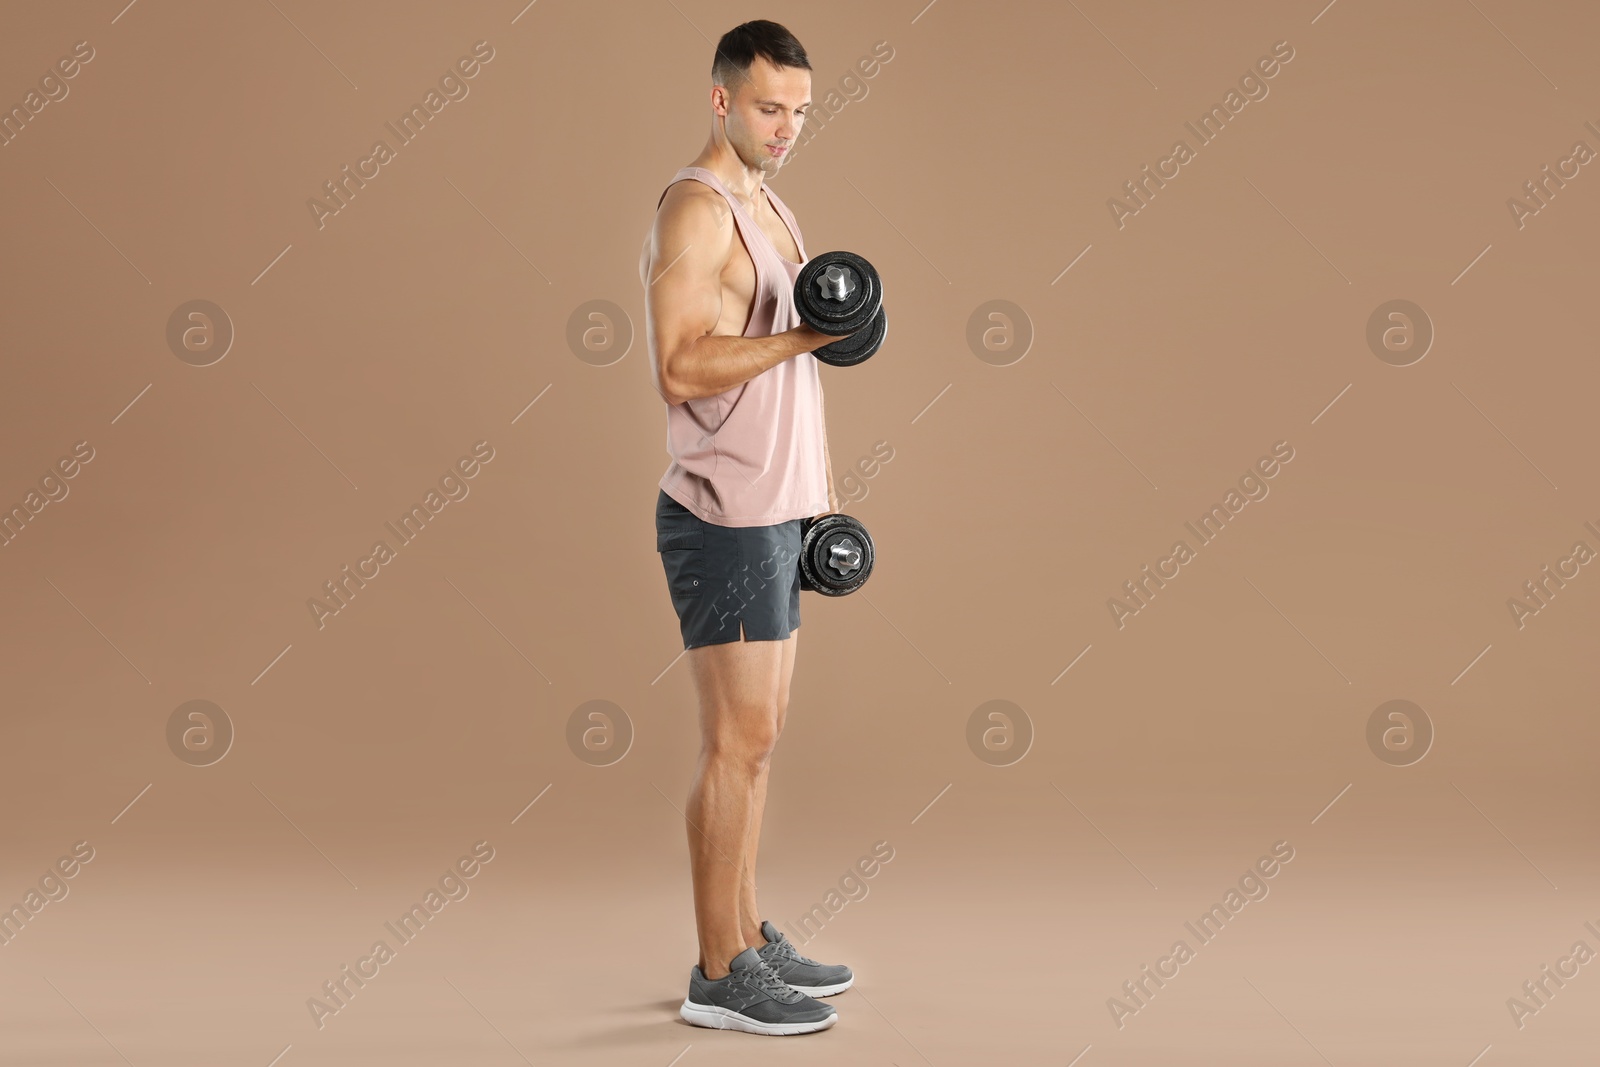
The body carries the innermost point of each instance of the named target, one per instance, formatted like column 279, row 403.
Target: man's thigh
column 740, row 677
column 742, row 684
column 786, row 672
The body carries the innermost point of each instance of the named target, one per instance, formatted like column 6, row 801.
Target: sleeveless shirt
column 753, row 454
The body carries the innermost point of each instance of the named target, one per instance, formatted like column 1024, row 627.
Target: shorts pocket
column 682, row 552
column 679, row 537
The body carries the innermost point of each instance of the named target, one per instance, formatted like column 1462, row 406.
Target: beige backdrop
column 234, row 456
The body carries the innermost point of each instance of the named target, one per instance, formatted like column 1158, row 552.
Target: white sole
column 725, row 1019
column 823, row 990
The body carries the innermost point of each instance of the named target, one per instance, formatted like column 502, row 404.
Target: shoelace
column 763, row 978
column 784, row 948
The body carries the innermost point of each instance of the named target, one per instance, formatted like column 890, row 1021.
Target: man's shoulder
column 690, row 193
column 696, row 206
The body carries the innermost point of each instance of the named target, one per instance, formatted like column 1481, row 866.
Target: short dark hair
column 740, row 46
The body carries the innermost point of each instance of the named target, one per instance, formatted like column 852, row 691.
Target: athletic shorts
column 724, row 578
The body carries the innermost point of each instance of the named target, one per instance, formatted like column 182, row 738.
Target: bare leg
column 749, row 914
column 738, row 686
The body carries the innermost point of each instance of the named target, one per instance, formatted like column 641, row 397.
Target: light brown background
column 427, row 715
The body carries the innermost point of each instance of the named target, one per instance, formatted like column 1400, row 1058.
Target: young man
column 749, row 448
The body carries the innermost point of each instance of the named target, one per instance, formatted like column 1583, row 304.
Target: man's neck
column 742, row 181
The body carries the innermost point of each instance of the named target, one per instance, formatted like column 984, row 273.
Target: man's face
column 765, row 113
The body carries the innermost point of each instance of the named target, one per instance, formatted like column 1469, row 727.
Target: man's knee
column 747, row 737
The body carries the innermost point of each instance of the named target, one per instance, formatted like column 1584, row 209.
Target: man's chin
column 764, row 161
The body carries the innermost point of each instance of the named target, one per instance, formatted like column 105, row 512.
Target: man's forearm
column 716, row 363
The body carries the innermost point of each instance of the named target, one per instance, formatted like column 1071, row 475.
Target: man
column 746, row 431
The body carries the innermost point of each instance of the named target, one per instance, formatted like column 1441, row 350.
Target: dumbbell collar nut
column 836, row 282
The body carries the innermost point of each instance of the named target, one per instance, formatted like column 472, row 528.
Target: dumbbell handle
column 816, row 337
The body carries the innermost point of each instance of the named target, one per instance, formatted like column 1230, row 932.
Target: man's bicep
column 683, row 290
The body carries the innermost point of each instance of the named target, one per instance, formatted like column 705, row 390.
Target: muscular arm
column 681, row 270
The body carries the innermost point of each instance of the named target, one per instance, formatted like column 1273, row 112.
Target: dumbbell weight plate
column 836, row 555
column 859, row 346
column 817, row 292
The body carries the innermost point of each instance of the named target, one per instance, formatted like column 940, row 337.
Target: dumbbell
column 836, row 555
column 841, row 293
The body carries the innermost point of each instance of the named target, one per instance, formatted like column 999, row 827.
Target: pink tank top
column 752, row 455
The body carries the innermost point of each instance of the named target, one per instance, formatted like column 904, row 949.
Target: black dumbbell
column 836, row 555
column 841, row 293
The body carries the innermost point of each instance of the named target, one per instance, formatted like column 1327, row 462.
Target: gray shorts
column 723, row 578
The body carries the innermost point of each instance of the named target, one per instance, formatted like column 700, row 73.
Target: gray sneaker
column 798, row 972
column 753, row 999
